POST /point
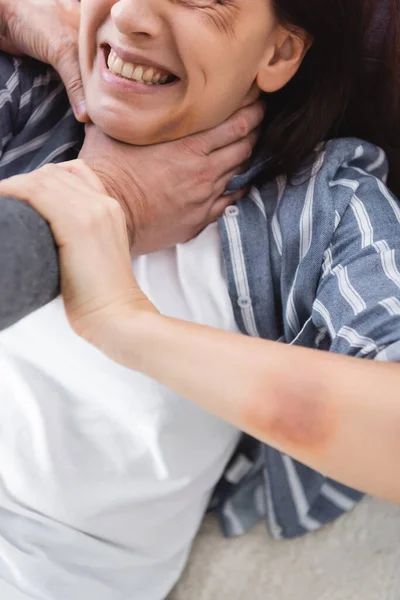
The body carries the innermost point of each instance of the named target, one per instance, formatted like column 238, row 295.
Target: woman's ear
column 283, row 62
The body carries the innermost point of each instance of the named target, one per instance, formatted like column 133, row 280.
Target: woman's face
column 156, row 70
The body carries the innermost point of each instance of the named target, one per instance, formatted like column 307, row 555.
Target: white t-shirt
column 105, row 474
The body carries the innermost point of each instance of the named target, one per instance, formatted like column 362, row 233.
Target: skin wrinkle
column 215, row 12
column 207, row 47
column 224, row 23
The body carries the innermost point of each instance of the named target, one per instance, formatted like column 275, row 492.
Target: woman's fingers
column 86, row 174
column 46, row 194
column 90, row 229
column 70, row 206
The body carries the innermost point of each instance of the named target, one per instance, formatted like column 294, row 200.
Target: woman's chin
column 135, row 136
column 142, row 128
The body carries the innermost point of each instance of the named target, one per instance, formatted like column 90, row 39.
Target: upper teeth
column 142, row 73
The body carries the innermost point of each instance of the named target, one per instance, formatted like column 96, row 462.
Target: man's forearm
column 29, row 274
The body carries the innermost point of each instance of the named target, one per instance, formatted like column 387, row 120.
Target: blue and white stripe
column 334, row 251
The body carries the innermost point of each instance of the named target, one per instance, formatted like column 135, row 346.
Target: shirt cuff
column 390, row 353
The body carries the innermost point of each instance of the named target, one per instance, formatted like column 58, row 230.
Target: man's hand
column 48, row 31
column 172, row 191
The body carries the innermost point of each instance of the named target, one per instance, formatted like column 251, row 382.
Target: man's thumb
column 68, row 68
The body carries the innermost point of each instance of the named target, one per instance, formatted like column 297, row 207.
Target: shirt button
column 232, row 211
column 244, row 301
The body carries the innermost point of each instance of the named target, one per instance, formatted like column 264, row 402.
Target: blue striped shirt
column 314, row 262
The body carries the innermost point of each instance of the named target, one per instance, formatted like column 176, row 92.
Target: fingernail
column 80, row 111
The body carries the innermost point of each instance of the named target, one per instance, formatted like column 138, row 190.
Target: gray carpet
column 357, row 558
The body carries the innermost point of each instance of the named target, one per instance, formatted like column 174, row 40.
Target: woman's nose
column 137, row 17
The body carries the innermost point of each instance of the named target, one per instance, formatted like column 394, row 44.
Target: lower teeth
column 139, row 80
column 168, row 80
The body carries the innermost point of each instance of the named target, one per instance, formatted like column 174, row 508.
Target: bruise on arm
column 297, row 415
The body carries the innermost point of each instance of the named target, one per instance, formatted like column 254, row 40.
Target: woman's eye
column 201, row 3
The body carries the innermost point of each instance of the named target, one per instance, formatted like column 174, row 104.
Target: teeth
column 140, row 73
column 111, row 60
column 118, row 66
column 148, row 75
column 127, row 70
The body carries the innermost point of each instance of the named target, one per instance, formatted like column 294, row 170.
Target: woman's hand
column 48, row 31
column 89, row 227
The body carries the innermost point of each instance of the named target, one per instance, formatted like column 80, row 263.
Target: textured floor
column 358, row 558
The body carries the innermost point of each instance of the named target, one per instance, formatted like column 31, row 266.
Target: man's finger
column 222, row 184
column 234, row 129
column 223, row 202
column 234, row 156
column 68, row 68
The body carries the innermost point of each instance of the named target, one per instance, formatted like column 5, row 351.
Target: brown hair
column 374, row 110
column 339, row 90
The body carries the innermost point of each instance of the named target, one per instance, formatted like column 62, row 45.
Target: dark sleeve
column 29, row 274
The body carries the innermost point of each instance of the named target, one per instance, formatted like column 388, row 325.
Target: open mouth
column 147, row 74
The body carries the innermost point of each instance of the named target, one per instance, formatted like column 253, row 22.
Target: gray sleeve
column 29, row 273
column 35, row 127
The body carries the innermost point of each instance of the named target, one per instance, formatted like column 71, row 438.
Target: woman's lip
column 128, row 84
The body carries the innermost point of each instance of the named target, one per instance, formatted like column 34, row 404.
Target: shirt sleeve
column 29, row 273
column 357, row 306
column 27, row 88
column 9, row 99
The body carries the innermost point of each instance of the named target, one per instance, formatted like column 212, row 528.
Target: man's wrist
column 115, row 190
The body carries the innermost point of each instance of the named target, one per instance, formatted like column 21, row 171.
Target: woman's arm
column 339, row 415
